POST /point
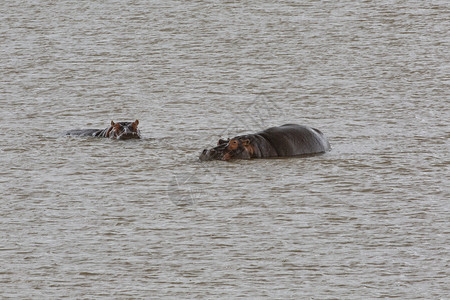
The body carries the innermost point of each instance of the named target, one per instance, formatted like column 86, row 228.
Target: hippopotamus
column 282, row 141
column 119, row 131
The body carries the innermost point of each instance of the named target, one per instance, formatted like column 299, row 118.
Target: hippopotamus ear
column 112, row 123
column 134, row 125
column 246, row 142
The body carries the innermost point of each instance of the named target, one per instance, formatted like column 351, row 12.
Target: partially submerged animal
column 119, row 131
column 282, row 141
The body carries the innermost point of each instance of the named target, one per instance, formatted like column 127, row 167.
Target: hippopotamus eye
column 118, row 127
column 233, row 145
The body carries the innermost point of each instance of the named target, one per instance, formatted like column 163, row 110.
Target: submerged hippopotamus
column 119, row 131
column 282, row 141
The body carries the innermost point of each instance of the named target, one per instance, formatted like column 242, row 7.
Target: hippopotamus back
column 293, row 139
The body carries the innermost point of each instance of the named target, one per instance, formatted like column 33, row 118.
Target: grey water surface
column 93, row 218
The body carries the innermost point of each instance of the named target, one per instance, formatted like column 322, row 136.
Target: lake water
column 95, row 218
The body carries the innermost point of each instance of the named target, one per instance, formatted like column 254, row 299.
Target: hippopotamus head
column 235, row 148
column 124, row 130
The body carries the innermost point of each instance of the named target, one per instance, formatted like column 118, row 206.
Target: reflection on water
column 85, row 217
